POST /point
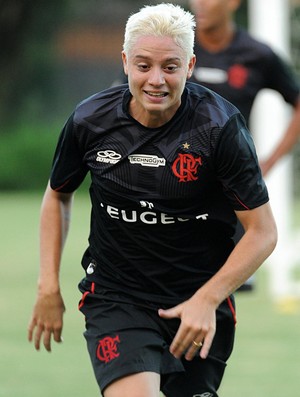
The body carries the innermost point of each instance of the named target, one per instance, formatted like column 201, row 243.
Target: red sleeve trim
column 242, row 204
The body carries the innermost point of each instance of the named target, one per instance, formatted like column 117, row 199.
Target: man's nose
column 156, row 77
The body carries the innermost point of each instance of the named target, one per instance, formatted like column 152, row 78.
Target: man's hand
column 197, row 328
column 47, row 320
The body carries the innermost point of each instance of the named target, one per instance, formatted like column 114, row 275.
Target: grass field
column 265, row 362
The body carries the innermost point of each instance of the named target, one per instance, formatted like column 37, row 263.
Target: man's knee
column 142, row 384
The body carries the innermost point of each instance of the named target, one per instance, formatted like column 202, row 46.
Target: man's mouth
column 156, row 94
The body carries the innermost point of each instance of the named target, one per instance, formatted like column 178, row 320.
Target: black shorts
column 125, row 337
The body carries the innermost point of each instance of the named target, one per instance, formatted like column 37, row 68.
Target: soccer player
column 172, row 168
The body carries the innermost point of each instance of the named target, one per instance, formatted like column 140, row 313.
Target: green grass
column 265, row 362
column 26, row 155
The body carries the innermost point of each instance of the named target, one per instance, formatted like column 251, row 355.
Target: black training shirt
column 163, row 199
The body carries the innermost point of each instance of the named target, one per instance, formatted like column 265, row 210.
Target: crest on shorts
column 107, row 349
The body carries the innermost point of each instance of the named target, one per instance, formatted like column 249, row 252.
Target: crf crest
column 185, row 167
column 107, row 348
column 238, row 76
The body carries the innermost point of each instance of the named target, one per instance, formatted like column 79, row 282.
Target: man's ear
column 191, row 66
column 124, row 59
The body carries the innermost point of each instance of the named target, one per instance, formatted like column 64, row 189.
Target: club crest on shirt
column 238, row 76
column 185, row 167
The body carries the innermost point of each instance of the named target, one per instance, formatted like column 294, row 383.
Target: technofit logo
column 108, row 156
column 147, row 160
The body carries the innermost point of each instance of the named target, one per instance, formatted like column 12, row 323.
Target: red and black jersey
column 241, row 70
column 163, row 199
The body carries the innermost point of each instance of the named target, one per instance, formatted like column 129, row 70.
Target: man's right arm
column 47, row 317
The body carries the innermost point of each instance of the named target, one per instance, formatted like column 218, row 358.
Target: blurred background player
column 237, row 66
column 232, row 63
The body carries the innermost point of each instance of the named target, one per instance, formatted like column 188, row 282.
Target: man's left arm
column 197, row 315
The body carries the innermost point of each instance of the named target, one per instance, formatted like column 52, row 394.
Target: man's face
column 157, row 70
column 211, row 14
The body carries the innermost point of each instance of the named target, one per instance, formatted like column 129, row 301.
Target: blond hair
column 162, row 20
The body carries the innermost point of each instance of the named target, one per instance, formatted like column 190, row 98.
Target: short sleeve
column 280, row 77
column 68, row 168
column 237, row 167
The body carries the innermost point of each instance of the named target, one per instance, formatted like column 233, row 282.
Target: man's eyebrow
column 171, row 59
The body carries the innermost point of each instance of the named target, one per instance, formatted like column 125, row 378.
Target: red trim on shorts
column 91, row 291
column 57, row 189
column 231, row 307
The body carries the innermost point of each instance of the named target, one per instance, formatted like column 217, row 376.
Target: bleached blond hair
column 161, row 20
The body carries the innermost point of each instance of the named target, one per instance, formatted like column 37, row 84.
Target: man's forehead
column 147, row 47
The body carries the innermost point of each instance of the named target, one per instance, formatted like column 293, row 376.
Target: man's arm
column 198, row 314
column 286, row 143
column 47, row 317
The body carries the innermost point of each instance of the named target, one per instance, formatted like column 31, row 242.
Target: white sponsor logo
column 147, row 204
column 91, row 268
column 207, row 394
column 147, row 160
column 211, row 75
column 108, row 156
column 202, row 216
column 147, row 217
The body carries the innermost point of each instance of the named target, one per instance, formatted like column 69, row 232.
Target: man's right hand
column 47, row 320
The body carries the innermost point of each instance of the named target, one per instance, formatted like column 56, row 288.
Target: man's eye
column 143, row 67
column 171, row 68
